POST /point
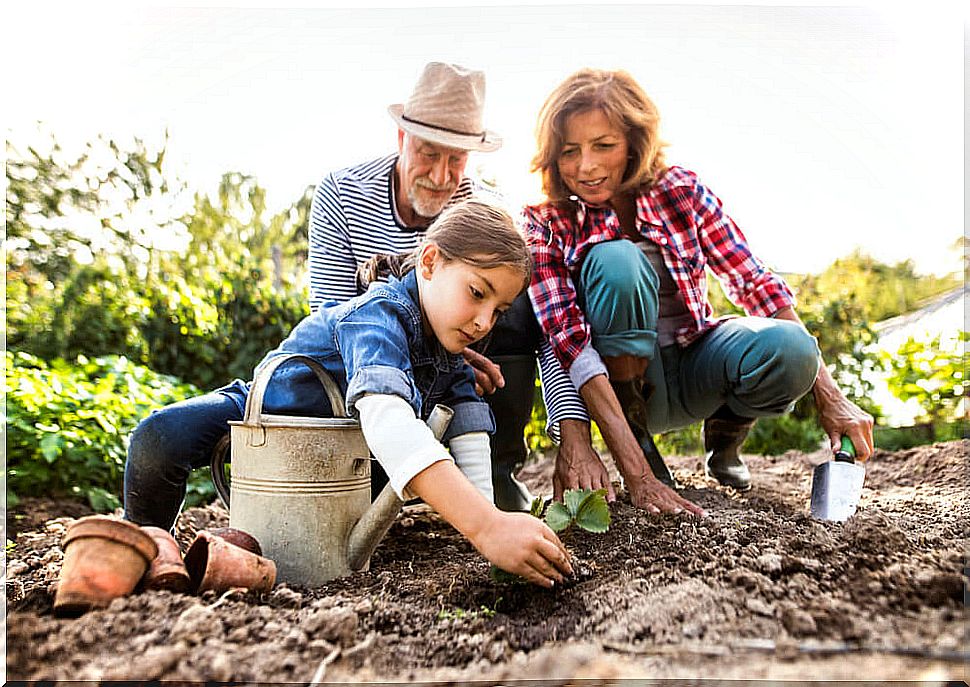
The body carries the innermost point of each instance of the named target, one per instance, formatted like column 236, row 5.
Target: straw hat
column 446, row 108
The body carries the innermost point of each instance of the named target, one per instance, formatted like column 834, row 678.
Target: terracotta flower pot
column 213, row 563
column 167, row 570
column 104, row 558
column 239, row 538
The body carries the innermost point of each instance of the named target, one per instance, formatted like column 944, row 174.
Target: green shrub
column 774, row 435
column 204, row 334
column 68, row 423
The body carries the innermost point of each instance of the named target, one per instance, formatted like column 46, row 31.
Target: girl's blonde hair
column 625, row 105
column 473, row 231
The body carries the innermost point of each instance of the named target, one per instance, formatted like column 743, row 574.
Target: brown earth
column 756, row 590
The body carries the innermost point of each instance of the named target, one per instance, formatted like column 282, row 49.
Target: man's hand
column 577, row 464
column 488, row 375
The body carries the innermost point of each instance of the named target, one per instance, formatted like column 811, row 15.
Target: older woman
column 621, row 246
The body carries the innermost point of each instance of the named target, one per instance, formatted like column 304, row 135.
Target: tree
column 111, row 199
column 235, row 233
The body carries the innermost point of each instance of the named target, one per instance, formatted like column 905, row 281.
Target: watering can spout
column 378, row 518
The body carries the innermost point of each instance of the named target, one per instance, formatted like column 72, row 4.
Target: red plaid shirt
column 685, row 219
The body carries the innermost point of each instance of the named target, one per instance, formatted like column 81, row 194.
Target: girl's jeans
column 756, row 366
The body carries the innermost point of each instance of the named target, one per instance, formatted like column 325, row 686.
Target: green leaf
column 593, row 514
column 50, row 447
column 500, row 576
column 538, row 507
column 573, row 498
column 557, row 517
column 102, row 500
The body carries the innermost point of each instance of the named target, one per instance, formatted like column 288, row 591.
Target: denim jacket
column 374, row 343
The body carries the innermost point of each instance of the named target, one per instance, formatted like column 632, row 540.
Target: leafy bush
column 932, row 373
column 773, row 435
column 67, row 423
column 203, row 334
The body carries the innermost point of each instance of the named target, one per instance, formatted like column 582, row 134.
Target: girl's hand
column 525, row 546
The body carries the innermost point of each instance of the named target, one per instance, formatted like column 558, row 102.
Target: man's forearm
column 608, row 415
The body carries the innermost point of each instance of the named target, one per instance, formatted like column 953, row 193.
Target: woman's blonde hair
column 473, row 231
column 625, row 105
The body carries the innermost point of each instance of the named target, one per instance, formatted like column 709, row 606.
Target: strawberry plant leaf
column 573, row 498
column 500, row 576
column 593, row 514
column 557, row 517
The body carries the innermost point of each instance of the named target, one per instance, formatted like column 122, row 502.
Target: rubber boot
column 512, row 407
column 630, row 393
column 724, row 432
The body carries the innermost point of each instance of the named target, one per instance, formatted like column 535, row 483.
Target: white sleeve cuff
column 473, row 456
column 402, row 444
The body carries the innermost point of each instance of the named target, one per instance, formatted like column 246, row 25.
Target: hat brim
column 486, row 144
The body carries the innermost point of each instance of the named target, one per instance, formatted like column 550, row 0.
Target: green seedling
column 460, row 613
column 584, row 508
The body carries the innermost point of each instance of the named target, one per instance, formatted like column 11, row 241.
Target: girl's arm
column 416, row 463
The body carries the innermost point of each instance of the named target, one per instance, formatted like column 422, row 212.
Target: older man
column 384, row 206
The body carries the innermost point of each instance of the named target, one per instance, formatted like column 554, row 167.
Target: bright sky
column 822, row 128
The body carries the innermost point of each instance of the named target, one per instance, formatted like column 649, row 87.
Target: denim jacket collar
column 427, row 349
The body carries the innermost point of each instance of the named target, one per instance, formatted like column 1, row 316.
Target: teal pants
column 756, row 366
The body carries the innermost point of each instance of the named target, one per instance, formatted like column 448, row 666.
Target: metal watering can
column 301, row 485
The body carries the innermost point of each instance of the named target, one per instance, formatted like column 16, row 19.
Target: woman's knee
column 618, row 267
column 798, row 356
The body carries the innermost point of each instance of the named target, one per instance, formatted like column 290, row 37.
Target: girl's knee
column 155, row 441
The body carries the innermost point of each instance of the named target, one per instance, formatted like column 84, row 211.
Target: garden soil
column 757, row 590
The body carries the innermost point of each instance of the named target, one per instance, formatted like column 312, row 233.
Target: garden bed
column 756, row 590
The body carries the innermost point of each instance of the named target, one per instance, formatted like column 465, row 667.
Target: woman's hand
column 645, row 490
column 839, row 416
column 488, row 375
column 577, row 464
column 522, row 544
column 652, row 495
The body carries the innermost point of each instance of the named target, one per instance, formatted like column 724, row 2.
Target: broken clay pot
column 167, row 571
column 214, row 563
column 236, row 536
column 104, row 558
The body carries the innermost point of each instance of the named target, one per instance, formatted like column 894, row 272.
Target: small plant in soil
column 583, row 508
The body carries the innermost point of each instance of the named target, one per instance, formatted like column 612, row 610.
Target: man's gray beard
column 427, row 209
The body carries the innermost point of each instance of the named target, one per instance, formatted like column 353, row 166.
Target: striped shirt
column 353, row 216
column 677, row 213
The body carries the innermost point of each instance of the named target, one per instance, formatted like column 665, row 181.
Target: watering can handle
column 254, row 404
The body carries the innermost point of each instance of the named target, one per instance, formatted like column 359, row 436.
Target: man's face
column 429, row 173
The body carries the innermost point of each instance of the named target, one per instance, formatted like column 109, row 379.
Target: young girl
column 395, row 352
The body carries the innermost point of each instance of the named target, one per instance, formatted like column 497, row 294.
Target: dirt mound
column 756, row 590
